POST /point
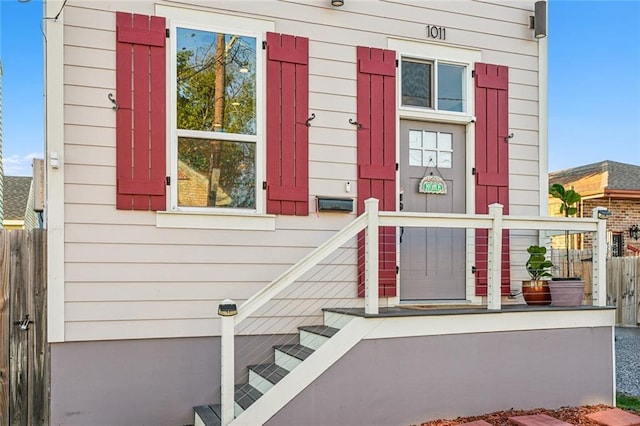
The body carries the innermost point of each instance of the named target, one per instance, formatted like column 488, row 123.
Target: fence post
column 494, row 258
column 599, row 290
column 227, row 311
column 371, row 257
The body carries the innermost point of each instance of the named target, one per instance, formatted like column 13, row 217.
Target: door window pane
column 430, row 149
column 415, row 157
column 430, row 140
column 415, row 139
column 430, row 159
column 450, row 87
column 416, row 83
column 445, row 141
column 444, row 159
column 215, row 173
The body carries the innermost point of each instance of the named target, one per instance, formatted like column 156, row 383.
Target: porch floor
column 426, row 310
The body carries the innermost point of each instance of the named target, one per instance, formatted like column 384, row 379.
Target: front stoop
column 265, row 376
column 538, row 420
column 615, row 417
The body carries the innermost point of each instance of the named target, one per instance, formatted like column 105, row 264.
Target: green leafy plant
column 538, row 266
column 569, row 200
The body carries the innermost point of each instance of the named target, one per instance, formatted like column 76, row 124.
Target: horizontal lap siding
column 123, row 274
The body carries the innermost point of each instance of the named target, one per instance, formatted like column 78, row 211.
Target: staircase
column 263, row 377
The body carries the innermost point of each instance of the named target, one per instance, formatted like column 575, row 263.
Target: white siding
column 126, row 278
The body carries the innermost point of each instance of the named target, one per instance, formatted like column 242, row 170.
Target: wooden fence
column 623, row 285
column 24, row 352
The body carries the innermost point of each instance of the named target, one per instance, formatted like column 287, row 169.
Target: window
column 430, row 149
column 450, row 87
column 616, row 245
column 419, row 89
column 417, row 83
column 216, row 125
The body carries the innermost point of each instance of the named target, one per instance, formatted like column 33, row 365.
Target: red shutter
column 377, row 154
column 287, row 133
column 492, row 161
column 141, row 118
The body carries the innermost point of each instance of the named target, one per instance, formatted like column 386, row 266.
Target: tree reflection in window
column 216, row 94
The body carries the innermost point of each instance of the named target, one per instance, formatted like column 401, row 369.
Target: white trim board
column 209, row 220
column 432, row 325
column 54, row 133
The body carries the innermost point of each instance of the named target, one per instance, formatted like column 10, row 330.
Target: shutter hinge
column 167, row 32
column 264, row 45
column 397, row 269
column 168, row 180
column 473, row 269
column 473, row 73
column 473, row 171
column 264, row 185
column 397, row 63
column 397, row 167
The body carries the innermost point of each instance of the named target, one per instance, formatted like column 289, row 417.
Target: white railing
column 370, row 221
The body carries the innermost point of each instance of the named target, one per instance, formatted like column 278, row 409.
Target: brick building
column 610, row 184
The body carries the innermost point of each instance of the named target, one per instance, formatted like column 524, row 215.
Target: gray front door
column 432, row 261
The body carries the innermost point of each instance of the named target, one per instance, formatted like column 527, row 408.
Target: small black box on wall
column 326, row 204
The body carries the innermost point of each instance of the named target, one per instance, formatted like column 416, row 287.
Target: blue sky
column 594, row 83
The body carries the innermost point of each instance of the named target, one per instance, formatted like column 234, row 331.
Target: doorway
column 432, row 261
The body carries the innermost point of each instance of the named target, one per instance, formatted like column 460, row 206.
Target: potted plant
column 568, row 290
column 536, row 290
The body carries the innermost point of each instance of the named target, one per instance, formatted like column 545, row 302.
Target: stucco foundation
column 407, row 381
column 141, row 382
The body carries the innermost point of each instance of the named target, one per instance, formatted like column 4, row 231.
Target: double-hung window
column 216, row 118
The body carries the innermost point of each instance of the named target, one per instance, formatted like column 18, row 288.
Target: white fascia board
column 435, row 325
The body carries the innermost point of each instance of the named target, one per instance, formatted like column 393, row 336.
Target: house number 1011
column 439, row 33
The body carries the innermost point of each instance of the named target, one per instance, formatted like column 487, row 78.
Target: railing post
column 371, row 257
column 494, row 258
column 599, row 290
column 227, row 311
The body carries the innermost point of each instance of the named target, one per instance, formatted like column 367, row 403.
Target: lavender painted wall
column 411, row 380
column 142, row 382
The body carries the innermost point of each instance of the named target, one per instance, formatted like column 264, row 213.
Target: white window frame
column 215, row 217
column 436, row 53
column 435, row 62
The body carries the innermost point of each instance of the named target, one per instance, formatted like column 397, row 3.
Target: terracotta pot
column 566, row 291
column 536, row 292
